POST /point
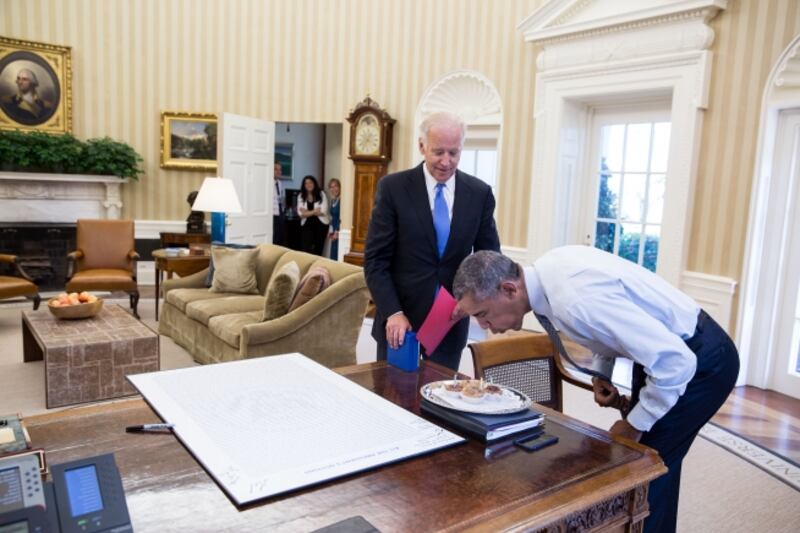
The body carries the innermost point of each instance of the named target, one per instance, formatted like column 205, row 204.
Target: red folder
column 438, row 322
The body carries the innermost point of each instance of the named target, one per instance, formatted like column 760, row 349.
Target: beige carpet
column 719, row 493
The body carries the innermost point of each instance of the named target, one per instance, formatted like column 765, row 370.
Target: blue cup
column 406, row 357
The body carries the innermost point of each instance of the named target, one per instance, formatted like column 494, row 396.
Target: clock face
column 368, row 136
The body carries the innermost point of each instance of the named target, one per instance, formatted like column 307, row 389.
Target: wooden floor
column 765, row 417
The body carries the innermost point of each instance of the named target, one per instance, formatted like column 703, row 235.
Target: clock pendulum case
column 371, row 150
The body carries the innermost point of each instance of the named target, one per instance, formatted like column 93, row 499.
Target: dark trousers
column 673, row 434
column 278, row 230
column 312, row 236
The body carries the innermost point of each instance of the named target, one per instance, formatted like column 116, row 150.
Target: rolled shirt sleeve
column 629, row 331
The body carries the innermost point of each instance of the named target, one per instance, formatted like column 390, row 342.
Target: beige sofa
column 216, row 327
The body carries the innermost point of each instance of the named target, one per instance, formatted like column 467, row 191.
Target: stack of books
column 487, row 428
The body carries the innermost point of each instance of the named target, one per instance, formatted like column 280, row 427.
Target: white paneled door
column 784, row 373
column 246, row 149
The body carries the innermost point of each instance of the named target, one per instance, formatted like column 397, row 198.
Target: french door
column 625, row 181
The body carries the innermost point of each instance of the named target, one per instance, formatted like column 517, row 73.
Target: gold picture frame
column 35, row 86
column 188, row 140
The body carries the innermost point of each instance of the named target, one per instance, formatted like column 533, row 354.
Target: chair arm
column 133, row 255
column 302, row 317
column 12, row 260
column 192, row 281
column 72, row 257
column 566, row 375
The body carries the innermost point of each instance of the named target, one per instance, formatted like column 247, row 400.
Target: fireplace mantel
column 37, row 197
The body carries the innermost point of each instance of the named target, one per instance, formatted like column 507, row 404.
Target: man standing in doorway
column 426, row 220
column 278, row 221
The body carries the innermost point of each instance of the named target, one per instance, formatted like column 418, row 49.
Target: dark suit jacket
column 401, row 261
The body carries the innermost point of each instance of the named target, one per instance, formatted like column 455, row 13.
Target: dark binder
column 485, row 427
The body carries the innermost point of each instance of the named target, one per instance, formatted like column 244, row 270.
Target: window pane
column 486, row 167
column 655, row 201
column 467, row 162
column 604, row 236
column 660, row 147
column 652, row 234
column 633, row 192
column 608, row 199
column 612, row 139
column 637, row 147
column 629, row 238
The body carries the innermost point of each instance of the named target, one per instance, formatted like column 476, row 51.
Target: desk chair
column 19, row 284
column 526, row 362
column 105, row 259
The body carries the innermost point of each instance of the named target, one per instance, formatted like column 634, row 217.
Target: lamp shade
column 217, row 195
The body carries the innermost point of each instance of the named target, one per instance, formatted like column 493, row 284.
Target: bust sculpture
column 196, row 222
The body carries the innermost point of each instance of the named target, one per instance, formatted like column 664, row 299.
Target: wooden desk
column 182, row 265
column 585, row 481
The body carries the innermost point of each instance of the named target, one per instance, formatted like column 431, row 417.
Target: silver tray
column 484, row 408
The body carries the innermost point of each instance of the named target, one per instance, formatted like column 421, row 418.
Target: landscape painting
column 188, row 140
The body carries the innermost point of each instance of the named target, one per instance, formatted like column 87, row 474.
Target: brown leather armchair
column 18, row 285
column 105, row 259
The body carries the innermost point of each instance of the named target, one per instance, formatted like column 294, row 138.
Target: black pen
column 148, row 427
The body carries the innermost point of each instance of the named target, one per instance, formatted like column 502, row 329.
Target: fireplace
column 38, row 214
column 41, row 250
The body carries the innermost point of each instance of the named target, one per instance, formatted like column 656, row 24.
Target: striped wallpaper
column 312, row 60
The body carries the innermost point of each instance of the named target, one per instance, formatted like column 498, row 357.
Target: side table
column 182, row 265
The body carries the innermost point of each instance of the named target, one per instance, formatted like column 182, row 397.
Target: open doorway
column 305, row 149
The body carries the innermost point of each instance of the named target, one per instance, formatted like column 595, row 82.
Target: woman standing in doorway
column 335, row 189
column 312, row 206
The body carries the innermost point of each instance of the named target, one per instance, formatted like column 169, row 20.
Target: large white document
column 269, row 425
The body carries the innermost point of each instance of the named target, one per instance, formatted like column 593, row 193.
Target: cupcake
column 472, row 393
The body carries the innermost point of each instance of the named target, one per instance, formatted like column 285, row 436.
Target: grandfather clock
column 371, row 150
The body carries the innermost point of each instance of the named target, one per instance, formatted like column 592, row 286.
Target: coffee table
column 87, row 360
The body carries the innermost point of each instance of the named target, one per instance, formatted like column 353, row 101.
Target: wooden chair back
column 526, row 362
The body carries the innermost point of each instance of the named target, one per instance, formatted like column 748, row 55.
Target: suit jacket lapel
column 418, row 195
column 461, row 210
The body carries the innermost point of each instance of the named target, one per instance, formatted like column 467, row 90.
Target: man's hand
column 622, row 428
column 396, row 327
column 607, row 395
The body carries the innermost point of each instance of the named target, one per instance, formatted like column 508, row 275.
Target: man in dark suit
column 426, row 220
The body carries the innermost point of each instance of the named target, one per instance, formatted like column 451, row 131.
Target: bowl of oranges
column 75, row 305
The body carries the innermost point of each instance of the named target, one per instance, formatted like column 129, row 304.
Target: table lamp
column 217, row 195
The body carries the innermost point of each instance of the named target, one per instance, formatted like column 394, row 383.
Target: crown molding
column 551, row 23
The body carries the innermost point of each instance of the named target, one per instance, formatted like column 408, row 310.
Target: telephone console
column 84, row 496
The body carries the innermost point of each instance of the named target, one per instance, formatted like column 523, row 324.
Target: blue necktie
column 441, row 219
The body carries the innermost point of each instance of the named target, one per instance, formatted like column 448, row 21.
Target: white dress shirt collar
column 449, row 189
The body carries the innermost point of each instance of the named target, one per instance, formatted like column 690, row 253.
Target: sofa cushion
column 234, row 270
column 281, row 290
column 229, row 327
column 181, row 297
column 203, row 310
column 316, row 280
column 232, row 245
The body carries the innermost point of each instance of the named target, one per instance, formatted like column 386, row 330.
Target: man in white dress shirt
column 685, row 365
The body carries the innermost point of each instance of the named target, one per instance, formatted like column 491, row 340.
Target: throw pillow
column 280, row 290
column 235, row 270
column 210, row 275
column 316, row 280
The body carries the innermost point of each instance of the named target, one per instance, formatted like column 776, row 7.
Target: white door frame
column 765, row 249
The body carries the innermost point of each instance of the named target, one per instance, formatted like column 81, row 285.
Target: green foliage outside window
column 604, row 231
column 65, row 154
